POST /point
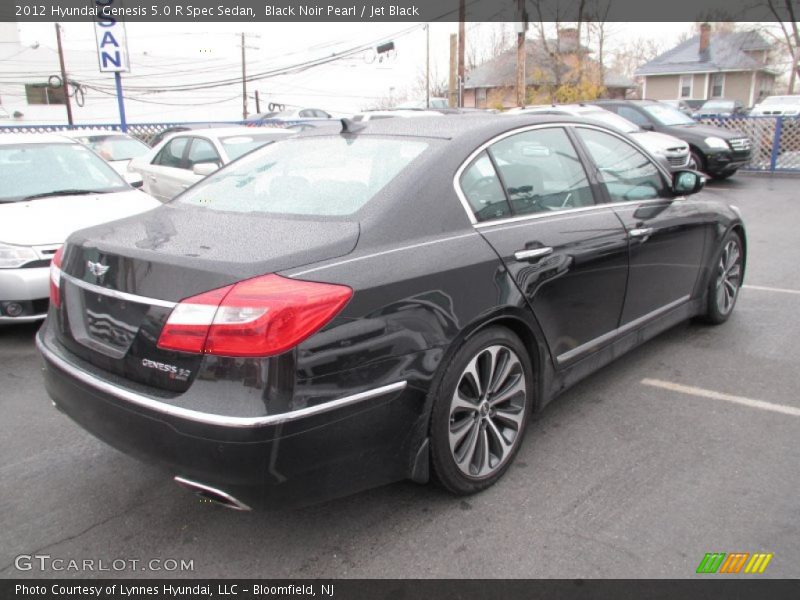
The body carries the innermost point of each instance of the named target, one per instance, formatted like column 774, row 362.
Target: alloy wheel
column 487, row 411
column 729, row 276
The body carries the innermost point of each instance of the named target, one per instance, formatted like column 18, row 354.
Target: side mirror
column 647, row 127
column 204, row 169
column 137, row 184
column 687, row 182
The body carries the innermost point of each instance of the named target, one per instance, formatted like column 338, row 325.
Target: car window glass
column 202, row 151
column 541, row 171
column 482, row 188
column 305, row 114
column 171, row 154
column 627, row 173
column 633, row 115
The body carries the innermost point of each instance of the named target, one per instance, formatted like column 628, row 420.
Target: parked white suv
column 671, row 150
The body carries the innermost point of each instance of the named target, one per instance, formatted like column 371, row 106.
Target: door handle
column 532, row 253
column 641, row 232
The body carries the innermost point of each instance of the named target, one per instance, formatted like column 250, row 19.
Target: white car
column 182, row 159
column 371, row 115
column 302, row 114
column 674, row 152
column 777, row 106
column 116, row 148
column 50, row 186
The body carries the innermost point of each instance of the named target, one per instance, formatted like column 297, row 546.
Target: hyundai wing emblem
column 97, row 269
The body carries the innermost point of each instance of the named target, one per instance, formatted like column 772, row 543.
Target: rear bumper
column 289, row 459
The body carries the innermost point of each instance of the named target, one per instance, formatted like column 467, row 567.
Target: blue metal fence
column 776, row 140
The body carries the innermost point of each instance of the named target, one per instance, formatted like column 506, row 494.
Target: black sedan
column 368, row 303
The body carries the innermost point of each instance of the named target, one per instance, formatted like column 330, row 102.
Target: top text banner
column 390, row 10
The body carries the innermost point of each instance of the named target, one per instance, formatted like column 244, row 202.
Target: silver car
column 50, row 186
column 674, row 153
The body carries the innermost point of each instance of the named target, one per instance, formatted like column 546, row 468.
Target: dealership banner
column 394, row 589
column 389, row 10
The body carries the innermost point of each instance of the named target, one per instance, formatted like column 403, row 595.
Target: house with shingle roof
column 548, row 65
column 731, row 65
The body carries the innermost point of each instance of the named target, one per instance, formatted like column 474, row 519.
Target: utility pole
column 522, row 26
column 258, row 103
column 64, row 82
column 452, row 100
column 428, row 65
column 244, row 73
column 461, row 31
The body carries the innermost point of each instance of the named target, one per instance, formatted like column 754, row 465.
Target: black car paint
column 424, row 280
column 717, row 161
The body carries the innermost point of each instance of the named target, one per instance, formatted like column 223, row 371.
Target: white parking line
column 762, row 288
column 703, row 393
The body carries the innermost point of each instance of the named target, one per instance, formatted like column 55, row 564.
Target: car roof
column 34, row 138
column 451, row 127
column 229, row 131
column 76, row 133
column 575, row 109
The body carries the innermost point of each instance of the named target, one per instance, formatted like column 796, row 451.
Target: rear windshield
column 319, row 176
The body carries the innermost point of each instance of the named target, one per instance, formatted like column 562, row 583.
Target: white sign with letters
column 112, row 40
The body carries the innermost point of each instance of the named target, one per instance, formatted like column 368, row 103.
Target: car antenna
column 349, row 126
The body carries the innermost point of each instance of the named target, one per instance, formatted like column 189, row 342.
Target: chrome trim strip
column 196, row 486
column 208, row 418
column 25, row 319
column 606, row 337
column 497, row 138
column 96, row 289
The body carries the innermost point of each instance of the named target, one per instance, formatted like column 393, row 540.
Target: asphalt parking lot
column 687, row 445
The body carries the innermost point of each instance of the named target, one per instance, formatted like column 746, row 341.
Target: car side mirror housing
column 687, row 182
column 204, row 169
column 137, row 184
column 648, row 127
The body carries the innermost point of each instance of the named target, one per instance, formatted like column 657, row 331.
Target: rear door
column 536, row 206
column 167, row 169
column 666, row 234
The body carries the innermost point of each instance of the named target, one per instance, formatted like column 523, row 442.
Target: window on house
column 686, row 86
column 717, row 85
column 41, row 93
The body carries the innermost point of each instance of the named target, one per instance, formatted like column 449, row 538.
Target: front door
column 666, row 234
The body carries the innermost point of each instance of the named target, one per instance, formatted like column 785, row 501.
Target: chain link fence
column 776, row 140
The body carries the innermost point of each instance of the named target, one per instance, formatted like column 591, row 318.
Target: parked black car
column 720, row 107
column 716, row 151
column 348, row 308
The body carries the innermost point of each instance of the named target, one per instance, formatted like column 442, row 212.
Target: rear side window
column 483, row 190
column 541, row 171
column 319, row 176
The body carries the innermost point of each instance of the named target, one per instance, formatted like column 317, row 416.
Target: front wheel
column 481, row 410
column 726, row 280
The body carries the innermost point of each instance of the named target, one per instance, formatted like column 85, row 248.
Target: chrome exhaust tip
column 211, row 494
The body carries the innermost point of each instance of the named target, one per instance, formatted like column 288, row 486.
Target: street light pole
column 64, row 83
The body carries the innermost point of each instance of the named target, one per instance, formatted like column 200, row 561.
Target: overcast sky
column 346, row 85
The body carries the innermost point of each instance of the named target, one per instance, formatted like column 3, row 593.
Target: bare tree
column 791, row 34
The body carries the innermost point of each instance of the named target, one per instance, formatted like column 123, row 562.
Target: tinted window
column 318, row 176
column 482, row 188
column 633, row 115
column 627, row 174
column 202, row 151
column 541, row 171
column 172, row 154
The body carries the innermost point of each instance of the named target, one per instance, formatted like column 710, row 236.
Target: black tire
column 698, row 159
column 480, row 412
column 722, row 301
